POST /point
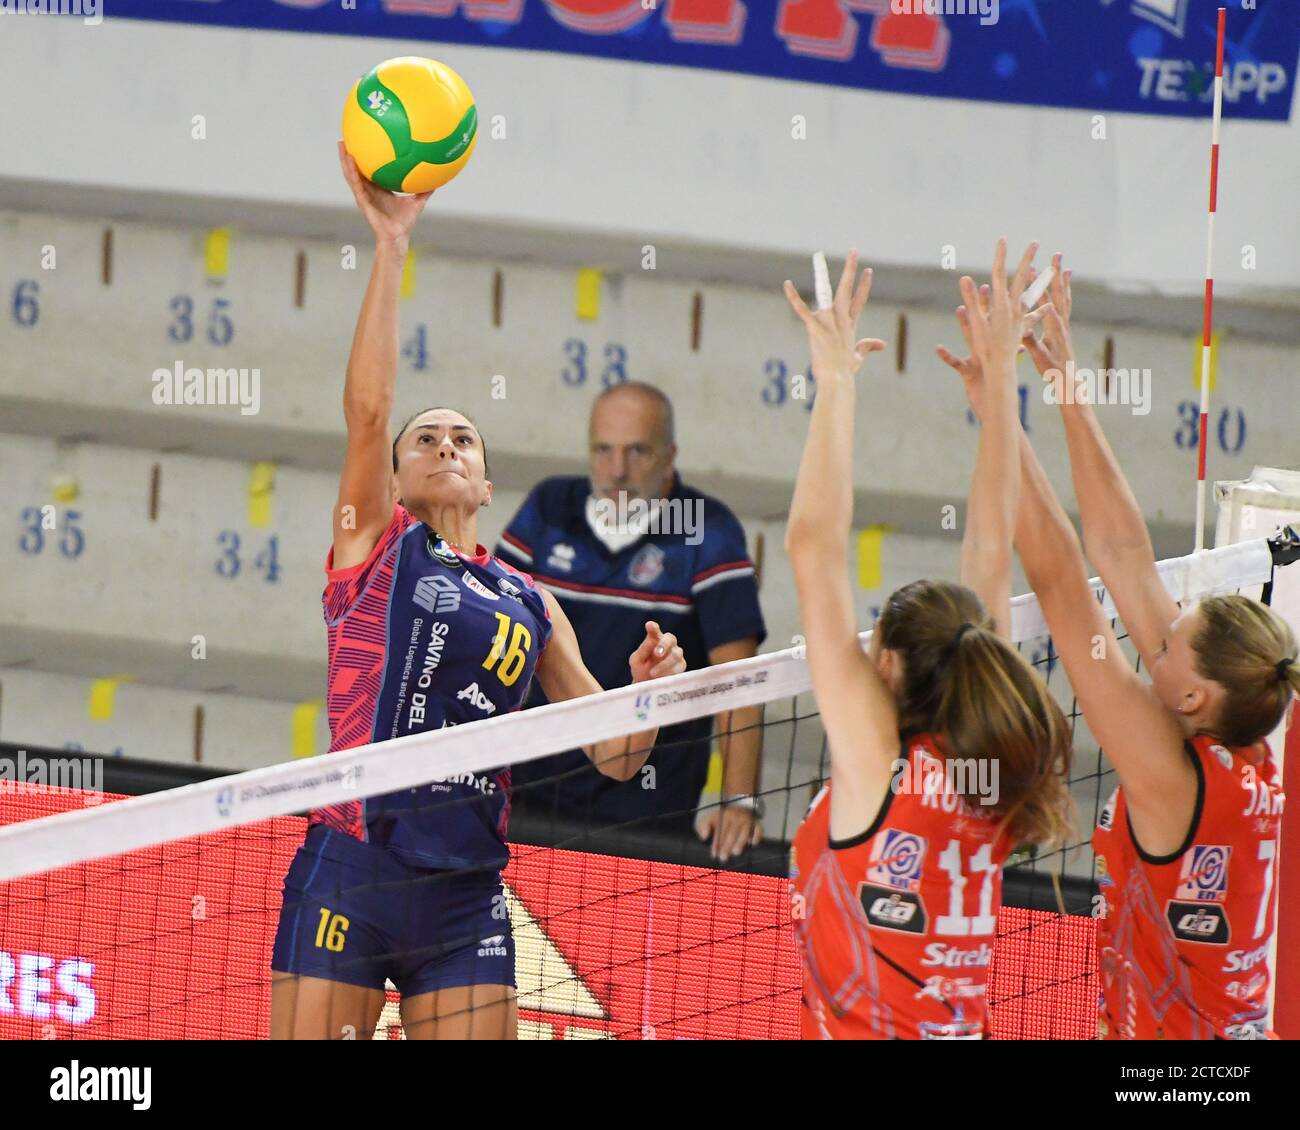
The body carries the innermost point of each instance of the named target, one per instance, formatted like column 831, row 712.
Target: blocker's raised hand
column 1054, row 351
column 833, row 342
column 997, row 316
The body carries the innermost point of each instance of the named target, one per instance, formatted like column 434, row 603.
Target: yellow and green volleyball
column 410, row 124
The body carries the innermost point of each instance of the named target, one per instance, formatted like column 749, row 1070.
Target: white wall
column 648, row 153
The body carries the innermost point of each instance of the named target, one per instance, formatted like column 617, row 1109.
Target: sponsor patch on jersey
column 647, row 566
column 1107, row 817
column 947, row 989
column 437, row 594
column 475, row 585
column 1196, row 922
column 957, row 957
column 893, row 910
column 1204, row 877
column 443, row 552
column 511, row 589
column 957, row 1030
column 1250, row 1030
column 1103, row 872
column 1224, row 756
column 896, row 859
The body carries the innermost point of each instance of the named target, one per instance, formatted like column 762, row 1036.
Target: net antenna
column 1207, row 340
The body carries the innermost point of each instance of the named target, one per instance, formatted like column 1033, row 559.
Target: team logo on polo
column 475, row 585
column 561, row 558
column 896, row 859
column 1204, row 877
column 647, row 566
column 437, row 594
column 1225, row 758
column 893, row 910
column 443, row 552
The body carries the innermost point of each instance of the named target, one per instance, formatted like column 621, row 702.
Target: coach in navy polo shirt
column 630, row 544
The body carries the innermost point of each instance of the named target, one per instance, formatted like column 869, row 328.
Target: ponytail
column 1250, row 651
column 983, row 701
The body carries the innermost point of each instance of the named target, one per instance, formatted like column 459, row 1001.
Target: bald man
column 627, row 544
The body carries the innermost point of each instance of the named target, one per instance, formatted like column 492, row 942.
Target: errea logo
column 493, row 947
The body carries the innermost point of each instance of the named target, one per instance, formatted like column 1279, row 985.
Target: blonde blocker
column 981, row 699
column 1244, row 646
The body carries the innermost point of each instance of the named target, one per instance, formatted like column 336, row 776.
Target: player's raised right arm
column 1115, row 533
column 365, row 501
column 857, row 708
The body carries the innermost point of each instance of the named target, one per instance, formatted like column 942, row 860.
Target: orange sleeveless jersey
column 1182, row 940
column 896, row 925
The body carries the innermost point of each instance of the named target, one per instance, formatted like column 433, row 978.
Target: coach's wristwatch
column 745, row 800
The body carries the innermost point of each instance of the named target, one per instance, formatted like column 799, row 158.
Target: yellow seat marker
column 103, row 694
column 587, row 297
column 216, row 253
column 305, row 715
column 870, row 543
column 261, row 493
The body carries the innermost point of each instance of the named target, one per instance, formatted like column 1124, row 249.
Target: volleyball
column 410, row 124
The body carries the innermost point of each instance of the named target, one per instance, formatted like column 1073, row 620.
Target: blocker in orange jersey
column 1183, row 940
column 896, row 926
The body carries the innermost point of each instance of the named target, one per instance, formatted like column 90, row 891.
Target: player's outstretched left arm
column 563, row 675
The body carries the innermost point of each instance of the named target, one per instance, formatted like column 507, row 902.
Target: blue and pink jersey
column 421, row 637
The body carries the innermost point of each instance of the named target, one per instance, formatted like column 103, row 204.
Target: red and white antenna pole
column 1207, row 341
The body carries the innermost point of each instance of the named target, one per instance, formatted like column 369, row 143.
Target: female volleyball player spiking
column 897, row 867
column 426, row 629
column 1187, row 845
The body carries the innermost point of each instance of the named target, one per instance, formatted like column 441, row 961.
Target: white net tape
column 383, row 767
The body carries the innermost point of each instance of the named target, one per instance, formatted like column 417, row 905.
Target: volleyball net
column 154, row 916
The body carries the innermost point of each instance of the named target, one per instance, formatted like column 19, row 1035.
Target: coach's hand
column 832, row 333
column 391, row 216
column 658, row 655
column 731, row 830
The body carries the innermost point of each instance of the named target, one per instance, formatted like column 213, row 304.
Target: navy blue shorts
column 354, row 912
